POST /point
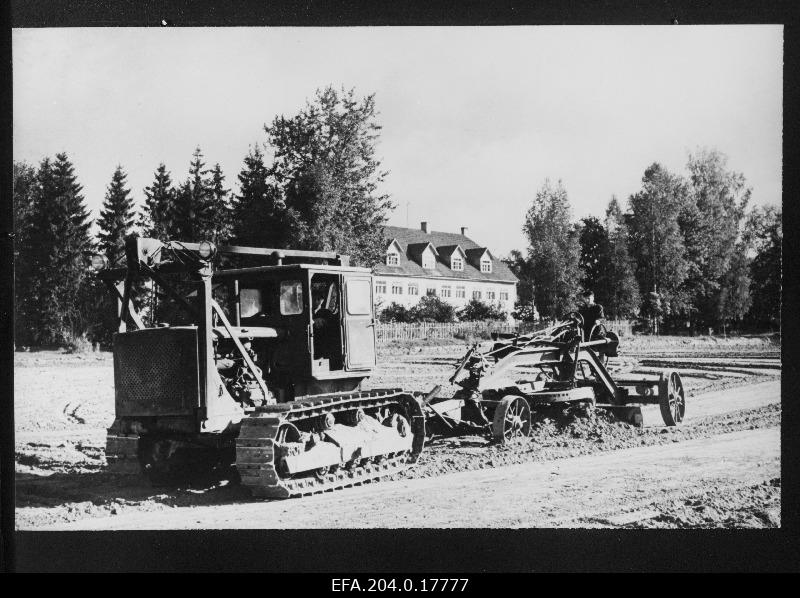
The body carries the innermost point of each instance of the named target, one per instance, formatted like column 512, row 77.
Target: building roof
column 446, row 252
column 410, row 239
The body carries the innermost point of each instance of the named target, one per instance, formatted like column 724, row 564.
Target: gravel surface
column 725, row 506
column 576, row 432
column 63, row 403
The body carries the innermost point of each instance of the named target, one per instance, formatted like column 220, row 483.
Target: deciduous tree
column 615, row 286
column 711, row 222
column 478, row 311
column 553, row 251
column 594, row 240
column 764, row 239
column 326, row 169
column 656, row 240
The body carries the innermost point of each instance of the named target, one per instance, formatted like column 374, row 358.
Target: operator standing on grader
column 592, row 314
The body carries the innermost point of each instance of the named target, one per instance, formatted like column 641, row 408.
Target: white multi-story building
column 451, row 266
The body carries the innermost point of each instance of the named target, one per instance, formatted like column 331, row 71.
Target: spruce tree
column 193, row 211
column 183, row 226
column 57, row 249
column 157, row 218
column 116, row 219
column 24, row 189
column 258, row 213
column 218, row 223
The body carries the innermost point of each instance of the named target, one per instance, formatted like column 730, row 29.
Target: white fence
column 433, row 330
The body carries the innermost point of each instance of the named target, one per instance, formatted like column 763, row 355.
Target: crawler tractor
column 254, row 356
column 560, row 366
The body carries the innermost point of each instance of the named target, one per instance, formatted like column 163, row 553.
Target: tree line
column 314, row 185
column 686, row 254
column 684, row 250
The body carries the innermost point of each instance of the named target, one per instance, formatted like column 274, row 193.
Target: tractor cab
column 206, row 335
column 322, row 314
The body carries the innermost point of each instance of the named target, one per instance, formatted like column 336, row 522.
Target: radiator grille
column 156, row 371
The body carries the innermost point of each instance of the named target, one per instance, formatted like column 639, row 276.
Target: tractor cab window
column 358, row 297
column 291, row 297
column 257, row 299
column 251, row 302
column 324, row 295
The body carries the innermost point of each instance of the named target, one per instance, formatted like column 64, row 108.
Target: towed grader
column 260, row 363
column 554, row 367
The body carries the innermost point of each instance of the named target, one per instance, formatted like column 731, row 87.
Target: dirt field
column 720, row 469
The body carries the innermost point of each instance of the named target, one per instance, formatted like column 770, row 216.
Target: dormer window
column 428, row 261
column 392, row 259
column 486, row 265
column 457, row 264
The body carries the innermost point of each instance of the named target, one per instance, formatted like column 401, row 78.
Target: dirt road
column 571, row 492
column 577, row 470
column 721, row 401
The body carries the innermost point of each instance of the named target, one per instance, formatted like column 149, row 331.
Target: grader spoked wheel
column 672, row 398
column 512, row 419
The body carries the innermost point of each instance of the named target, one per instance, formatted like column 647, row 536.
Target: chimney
column 463, row 231
column 424, row 227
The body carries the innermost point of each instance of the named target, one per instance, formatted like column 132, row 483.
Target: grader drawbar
column 258, row 363
column 559, row 366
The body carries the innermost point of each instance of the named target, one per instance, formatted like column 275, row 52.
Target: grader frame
column 556, row 366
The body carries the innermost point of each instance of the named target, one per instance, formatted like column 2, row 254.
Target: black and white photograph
column 495, row 277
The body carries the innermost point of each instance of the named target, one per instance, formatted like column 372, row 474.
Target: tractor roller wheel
column 672, row 398
column 512, row 419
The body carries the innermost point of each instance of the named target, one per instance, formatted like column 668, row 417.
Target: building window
column 503, row 295
column 413, row 288
column 397, row 288
column 431, row 292
column 461, row 293
column 445, row 291
column 486, row 265
column 392, row 259
column 490, row 295
column 476, row 295
column 380, row 287
column 457, row 264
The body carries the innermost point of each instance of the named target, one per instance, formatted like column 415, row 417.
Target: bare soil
column 63, row 403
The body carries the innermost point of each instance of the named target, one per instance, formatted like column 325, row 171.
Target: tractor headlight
column 206, row 250
column 99, row 262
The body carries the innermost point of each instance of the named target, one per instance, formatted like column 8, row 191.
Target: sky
column 474, row 118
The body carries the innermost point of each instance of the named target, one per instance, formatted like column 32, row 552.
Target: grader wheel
column 512, row 419
column 672, row 398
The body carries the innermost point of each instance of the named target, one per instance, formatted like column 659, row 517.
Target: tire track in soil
column 145, row 498
column 531, row 495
